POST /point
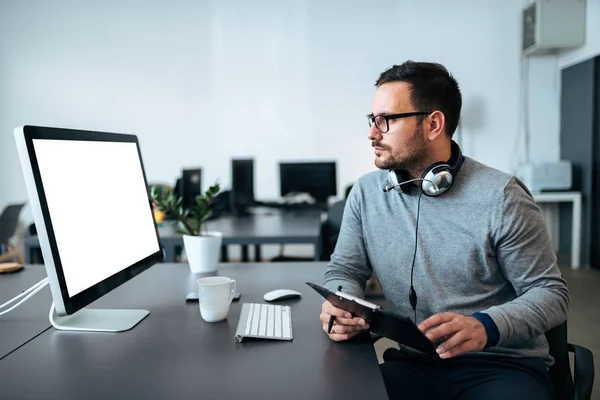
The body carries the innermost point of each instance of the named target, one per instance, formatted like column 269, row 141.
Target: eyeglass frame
column 371, row 118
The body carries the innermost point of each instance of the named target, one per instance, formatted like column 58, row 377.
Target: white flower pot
column 203, row 251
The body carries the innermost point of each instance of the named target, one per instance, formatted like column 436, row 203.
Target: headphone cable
column 412, row 294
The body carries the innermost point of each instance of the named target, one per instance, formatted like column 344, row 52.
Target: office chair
column 567, row 386
column 329, row 231
column 8, row 227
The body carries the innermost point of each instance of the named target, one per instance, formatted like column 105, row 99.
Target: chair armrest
column 583, row 378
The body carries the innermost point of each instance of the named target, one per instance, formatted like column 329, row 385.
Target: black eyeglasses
column 381, row 121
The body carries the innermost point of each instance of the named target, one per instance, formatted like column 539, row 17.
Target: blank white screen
column 98, row 206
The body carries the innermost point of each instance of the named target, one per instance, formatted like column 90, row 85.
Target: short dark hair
column 432, row 88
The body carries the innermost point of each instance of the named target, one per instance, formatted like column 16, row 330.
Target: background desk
column 174, row 354
column 302, row 227
column 568, row 197
column 30, row 318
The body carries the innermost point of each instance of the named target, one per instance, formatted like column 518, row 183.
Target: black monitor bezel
column 331, row 166
column 187, row 201
column 93, row 293
column 244, row 162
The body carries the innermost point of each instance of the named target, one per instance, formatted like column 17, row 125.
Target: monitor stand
column 94, row 320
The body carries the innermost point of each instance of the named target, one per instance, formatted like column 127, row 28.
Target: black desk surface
column 30, row 318
column 174, row 354
column 286, row 227
column 269, row 228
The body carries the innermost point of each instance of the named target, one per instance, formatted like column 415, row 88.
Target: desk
column 30, row 318
column 174, row 354
column 568, row 197
column 285, row 228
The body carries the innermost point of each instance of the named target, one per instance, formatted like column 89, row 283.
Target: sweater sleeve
column 526, row 257
column 349, row 266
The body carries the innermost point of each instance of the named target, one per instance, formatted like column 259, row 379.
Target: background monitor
column 190, row 186
column 315, row 178
column 242, row 185
column 94, row 220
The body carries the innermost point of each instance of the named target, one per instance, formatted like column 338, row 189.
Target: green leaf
column 201, row 202
column 207, row 215
column 190, row 222
column 212, row 191
column 184, row 229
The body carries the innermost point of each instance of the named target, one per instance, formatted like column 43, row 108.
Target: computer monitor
column 315, row 178
column 92, row 210
column 242, row 185
column 190, row 186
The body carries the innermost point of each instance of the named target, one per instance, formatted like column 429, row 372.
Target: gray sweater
column 482, row 247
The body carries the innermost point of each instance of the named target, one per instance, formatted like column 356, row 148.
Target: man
column 462, row 249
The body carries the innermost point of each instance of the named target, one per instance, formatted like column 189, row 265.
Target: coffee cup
column 215, row 294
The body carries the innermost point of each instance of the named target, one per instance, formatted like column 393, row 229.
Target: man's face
column 404, row 146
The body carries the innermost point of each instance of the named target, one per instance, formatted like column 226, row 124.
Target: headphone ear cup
column 437, row 179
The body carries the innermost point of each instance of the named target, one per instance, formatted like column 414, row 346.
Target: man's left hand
column 461, row 334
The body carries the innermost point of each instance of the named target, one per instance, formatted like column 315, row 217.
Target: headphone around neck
column 435, row 180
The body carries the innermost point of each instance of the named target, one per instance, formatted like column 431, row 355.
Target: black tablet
column 381, row 322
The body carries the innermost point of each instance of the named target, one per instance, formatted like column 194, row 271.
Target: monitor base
column 94, row 320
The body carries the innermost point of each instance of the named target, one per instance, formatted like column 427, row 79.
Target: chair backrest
column 560, row 372
column 330, row 229
column 9, row 221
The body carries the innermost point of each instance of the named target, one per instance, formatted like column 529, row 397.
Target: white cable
column 32, row 291
column 28, row 294
column 24, row 293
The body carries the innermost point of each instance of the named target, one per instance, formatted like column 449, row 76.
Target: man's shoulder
column 483, row 176
column 366, row 185
column 373, row 180
column 478, row 169
column 491, row 183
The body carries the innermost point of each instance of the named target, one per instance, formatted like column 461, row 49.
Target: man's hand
column 461, row 334
column 344, row 326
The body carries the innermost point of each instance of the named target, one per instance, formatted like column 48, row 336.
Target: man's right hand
column 344, row 326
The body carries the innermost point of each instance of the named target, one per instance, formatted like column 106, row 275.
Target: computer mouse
column 281, row 294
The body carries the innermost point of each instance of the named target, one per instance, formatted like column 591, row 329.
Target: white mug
column 214, row 296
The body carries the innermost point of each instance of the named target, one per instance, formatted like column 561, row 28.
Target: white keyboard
column 264, row 321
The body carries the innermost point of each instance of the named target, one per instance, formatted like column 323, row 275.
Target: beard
column 412, row 157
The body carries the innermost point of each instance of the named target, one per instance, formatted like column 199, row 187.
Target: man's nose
column 374, row 133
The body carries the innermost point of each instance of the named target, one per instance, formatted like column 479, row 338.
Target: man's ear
column 437, row 125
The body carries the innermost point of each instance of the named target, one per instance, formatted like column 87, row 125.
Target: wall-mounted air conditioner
column 550, row 26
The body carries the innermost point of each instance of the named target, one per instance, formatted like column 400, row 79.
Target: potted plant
column 202, row 247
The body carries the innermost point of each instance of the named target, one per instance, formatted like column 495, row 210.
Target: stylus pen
column 332, row 318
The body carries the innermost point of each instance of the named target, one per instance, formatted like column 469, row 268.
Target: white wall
column 544, row 87
column 591, row 48
column 542, row 80
column 202, row 81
